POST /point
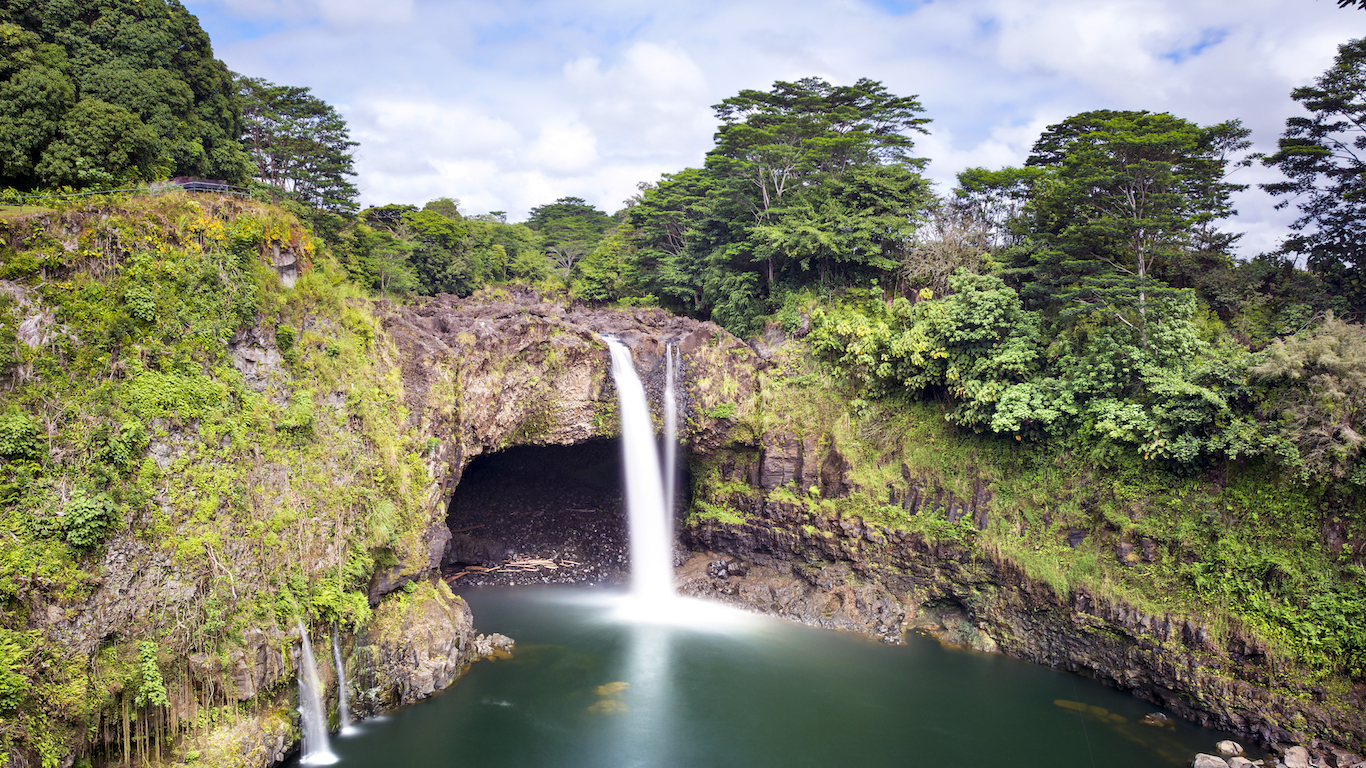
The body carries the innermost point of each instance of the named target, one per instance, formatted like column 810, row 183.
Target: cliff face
column 845, row 573
column 878, row 519
column 294, row 448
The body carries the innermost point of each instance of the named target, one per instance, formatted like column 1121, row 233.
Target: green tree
column 99, row 144
column 664, row 221
column 794, row 140
column 1324, row 157
column 611, row 270
column 570, row 228
column 1126, row 191
column 300, row 144
column 995, row 201
column 67, row 69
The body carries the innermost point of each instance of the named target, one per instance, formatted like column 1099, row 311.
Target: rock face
column 413, row 648
column 845, row 573
column 504, row 368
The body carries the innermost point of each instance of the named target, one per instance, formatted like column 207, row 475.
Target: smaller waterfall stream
column 343, row 711
column 670, row 433
column 316, row 750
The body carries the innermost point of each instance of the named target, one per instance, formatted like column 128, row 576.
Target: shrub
column 18, row 435
column 88, row 518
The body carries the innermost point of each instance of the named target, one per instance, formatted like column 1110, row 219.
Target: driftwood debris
column 517, row 565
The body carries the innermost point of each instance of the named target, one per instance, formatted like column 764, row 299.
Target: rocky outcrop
column 414, row 647
column 506, row 368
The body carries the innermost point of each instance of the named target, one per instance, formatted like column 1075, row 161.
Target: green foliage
column 610, row 271
column 298, row 416
column 18, row 435
column 153, row 394
column 721, row 411
column 14, row 682
column 88, row 518
column 151, row 687
column 569, row 229
column 1319, row 156
column 299, row 143
column 111, row 92
column 808, row 184
column 285, row 337
column 975, row 344
column 1315, row 391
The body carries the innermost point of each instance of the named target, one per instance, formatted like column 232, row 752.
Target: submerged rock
column 1156, row 719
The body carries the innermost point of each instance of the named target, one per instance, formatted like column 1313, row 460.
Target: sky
column 509, row 104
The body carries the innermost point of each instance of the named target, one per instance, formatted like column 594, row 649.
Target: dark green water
column 758, row 694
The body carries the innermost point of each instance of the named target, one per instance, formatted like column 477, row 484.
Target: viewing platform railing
column 193, row 185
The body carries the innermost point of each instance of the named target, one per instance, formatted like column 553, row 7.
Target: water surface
column 584, row 688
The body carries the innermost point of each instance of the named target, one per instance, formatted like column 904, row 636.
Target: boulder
column 493, row 645
column 1229, row 748
column 1240, row 762
column 1296, row 757
column 1209, row 761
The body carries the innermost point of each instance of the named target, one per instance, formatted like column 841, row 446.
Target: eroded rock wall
column 843, row 572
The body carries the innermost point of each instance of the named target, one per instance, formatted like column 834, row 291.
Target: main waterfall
column 648, row 515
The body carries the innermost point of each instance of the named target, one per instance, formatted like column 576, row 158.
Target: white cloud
column 564, row 147
column 511, row 104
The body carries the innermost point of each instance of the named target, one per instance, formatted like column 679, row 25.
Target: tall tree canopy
column 809, row 183
column 1324, row 156
column 300, row 143
column 569, row 228
column 1125, row 192
column 112, row 91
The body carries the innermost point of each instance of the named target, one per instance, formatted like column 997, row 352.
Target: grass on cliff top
column 259, row 484
column 1239, row 550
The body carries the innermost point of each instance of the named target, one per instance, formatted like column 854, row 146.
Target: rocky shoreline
column 1230, row 754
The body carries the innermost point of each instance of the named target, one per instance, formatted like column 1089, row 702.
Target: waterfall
column 670, row 434
column 651, row 530
column 343, row 711
column 315, row 748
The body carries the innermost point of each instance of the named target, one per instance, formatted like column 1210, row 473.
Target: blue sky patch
column 224, row 28
column 898, row 7
column 1208, row 38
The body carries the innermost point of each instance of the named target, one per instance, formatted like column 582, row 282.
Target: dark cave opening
column 536, row 514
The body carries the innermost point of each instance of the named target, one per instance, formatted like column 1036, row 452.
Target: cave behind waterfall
column 534, row 514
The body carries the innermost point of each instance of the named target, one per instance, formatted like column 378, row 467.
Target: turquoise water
column 586, row 689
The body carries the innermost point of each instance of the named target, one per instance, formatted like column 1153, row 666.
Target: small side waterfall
column 670, row 434
column 343, row 711
column 650, row 524
column 316, row 750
